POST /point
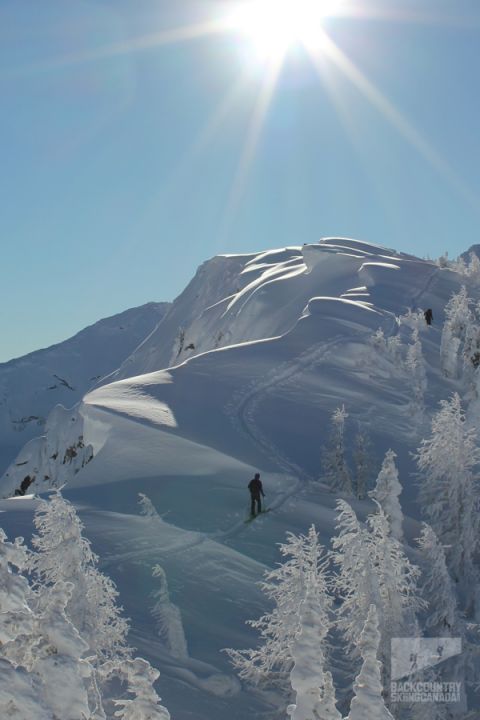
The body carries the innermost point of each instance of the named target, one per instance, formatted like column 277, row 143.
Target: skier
column 256, row 490
column 428, row 315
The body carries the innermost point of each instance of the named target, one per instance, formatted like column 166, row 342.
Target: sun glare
column 274, row 26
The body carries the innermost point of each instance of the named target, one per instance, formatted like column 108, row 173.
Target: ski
column 254, row 517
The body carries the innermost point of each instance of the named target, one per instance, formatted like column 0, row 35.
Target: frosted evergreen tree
column 372, row 569
column 471, row 347
column 473, row 267
column 19, row 690
column 458, row 318
column 313, row 686
column 16, row 617
column 336, row 473
column 58, row 661
column 168, row 617
column 19, row 694
column 395, row 349
column 368, row 699
column 415, row 366
column 378, row 341
column 437, row 587
column 48, row 671
column 387, row 492
column 63, row 554
column 443, row 617
column 355, row 583
column 390, row 347
column 363, row 464
column 459, row 266
column 397, row 580
column 287, row 587
column 449, row 492
column 443, row 260
column 139, row 677
column 413, row 320
column 40, row 655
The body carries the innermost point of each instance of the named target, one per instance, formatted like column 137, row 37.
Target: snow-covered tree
column 16, row 617
column 58, row 663
column 368, row 699
column 397, row 580
column 19, row 689
column 437, row 586
column 442, row 617
column 415, row 366
column 19, row 694
column 389, row 347
column 313, row 686
column 413, row 320
column 372, row 569
column 363, row 464
column 458, row 318
column 473, row 266
column 48, row 670
column 356, row 582
column 471, row 347
column 459, row 266
column 40, row 654
column 168, row 617
column 63, row 554
column 139, row 677
column 286, row 586
column 443, row 260
column 336, row 473
column 387, row 492
column 449, row 492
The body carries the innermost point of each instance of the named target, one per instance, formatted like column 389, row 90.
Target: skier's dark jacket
column 255, row 487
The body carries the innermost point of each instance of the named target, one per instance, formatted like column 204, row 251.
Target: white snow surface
column 32, row 385
column 281, row 339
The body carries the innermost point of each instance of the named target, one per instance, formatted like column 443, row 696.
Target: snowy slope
column 300, row 323
column 32, row 385
column 235, row 298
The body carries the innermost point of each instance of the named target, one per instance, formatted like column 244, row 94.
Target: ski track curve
column 241, row 411
column 416, row 298
column 244, row 405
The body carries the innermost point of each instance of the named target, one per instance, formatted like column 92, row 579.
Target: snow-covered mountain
column 242, row 374
column 32, row 385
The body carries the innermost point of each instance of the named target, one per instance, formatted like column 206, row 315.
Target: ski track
column 416, row 298
column 241, row 411
column 244, row 405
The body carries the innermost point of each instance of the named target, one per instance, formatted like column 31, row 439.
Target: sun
column 275, row 26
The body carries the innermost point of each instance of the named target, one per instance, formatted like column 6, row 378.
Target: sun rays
column 273, row 28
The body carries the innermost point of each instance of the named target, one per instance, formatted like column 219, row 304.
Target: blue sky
column 115, row 183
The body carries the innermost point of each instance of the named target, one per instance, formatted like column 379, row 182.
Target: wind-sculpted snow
column 280, row 341
column 287, row 308
column 52, row 459
column 31, row 386
column 240, row 298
